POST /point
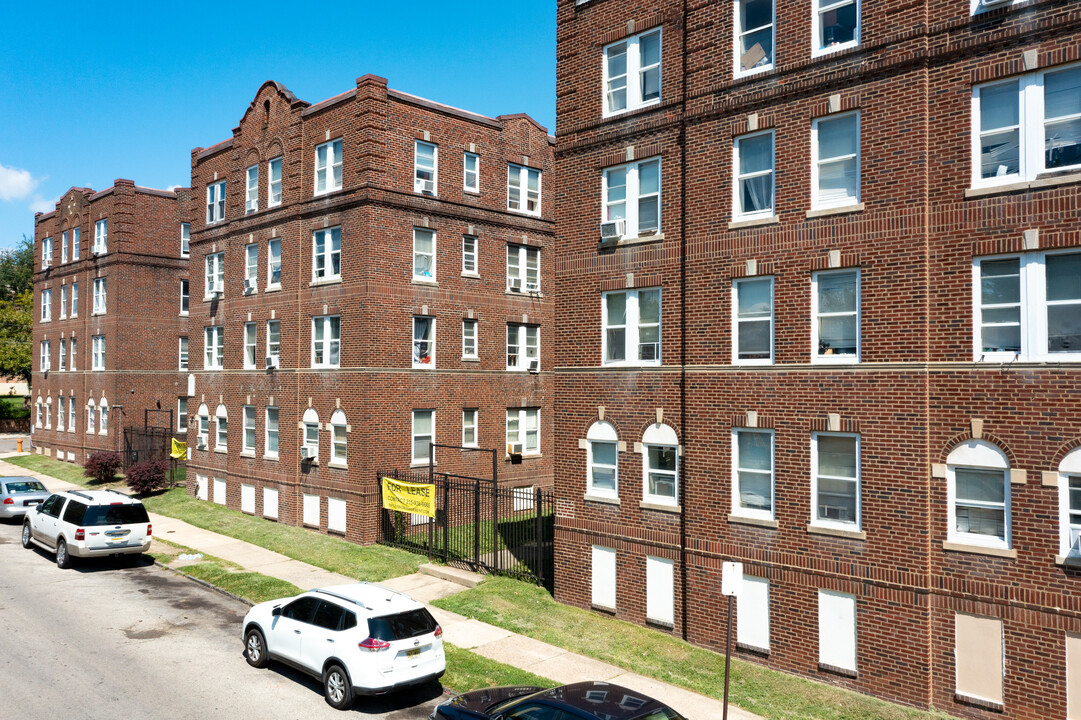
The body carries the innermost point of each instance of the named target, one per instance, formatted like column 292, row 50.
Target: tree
column 17, row 269
column 17, row 310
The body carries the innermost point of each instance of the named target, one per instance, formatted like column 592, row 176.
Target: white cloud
column 173, row 187
column 42, row 205
column 16, row 184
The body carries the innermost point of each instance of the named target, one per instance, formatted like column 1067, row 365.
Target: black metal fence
column 494, row 530
column 142, row 444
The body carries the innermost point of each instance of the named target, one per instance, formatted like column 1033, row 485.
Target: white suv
column 88, row 523
column 361, row 639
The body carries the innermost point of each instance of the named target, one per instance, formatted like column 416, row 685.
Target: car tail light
column 9, row 501
column 149, row 529
column 373, row 645
column 439, row 631
column 80, row 534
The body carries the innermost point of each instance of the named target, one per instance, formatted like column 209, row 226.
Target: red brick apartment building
column 819, row 311
column 110, row 293
column 371, row 274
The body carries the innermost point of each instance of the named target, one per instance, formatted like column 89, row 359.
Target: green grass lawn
column 467, row 671
column 531, row 611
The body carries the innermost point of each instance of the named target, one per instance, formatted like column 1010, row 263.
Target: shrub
column 102, row 466
column 147, row 476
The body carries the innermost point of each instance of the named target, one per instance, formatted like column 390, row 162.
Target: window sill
column 833, row 669
column 753, row 649
column 525, row 456
column 603, row 608
column 271, row 457
column 471, row 275
column 661, row 624
column 471, row 359
column 978, row 702
column 326, row 281
column 753, row 222
column 471, row 192
column 424, row 281
column 338, row 466
column 273, row 288
column 831, row 49
column 842, row 210
column 1045, row 181
column 328, row 191
column 221, row 451
column 1067, row 561
column 601, row 499
column 836, row 532
column 641, row 240
column 428, row 366
column 979, row 550
column 662, row 507
column 248, row 454
column 835, row 360
column 758, row 522
column 421, row 464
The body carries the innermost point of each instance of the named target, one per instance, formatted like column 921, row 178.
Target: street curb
column 204, row 583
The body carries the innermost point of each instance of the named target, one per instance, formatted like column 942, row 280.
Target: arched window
column 49, row 412
column 103, row 416
column 37, row 417
column 91, row 421
column 310, row 449
column 660, row 456
column 1069, row 487
column 60, row 412
column 602, row 460
column 221, row 441
column 979, row 495
column 338, row 444
column 202, row 432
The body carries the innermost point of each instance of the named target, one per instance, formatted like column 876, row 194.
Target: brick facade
column 918, row 391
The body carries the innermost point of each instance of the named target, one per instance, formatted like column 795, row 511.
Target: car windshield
column 124, row 514
column 409, row 624
column 502, row 705
column 25, row 486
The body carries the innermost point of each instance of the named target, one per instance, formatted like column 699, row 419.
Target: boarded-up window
column 219, row 491
column 200, row 486
column 336, row 514
column 660, row 590
column 247, row 498
column 270, row 503
column 604, row 576
column 837, row 630
column 752, row 613
column 311, row 510
column 1073, row 677
column 978, row 656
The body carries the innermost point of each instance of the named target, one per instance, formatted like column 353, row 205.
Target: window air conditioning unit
column 200, row 446
column 649, row 351
column 613, row 230
column 306, row 453
column 532, row 288
column 249, row 285
column 424, row 187
column 271, row 362
column 515, row 284
column 534, row 366
column 514, row 448
column 216, row 292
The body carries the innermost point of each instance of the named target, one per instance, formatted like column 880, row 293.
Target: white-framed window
column 326, row 341
column 215, row 274
column 91, row 415
column 523, row 268
column 523, row 430
column 338, row 444
column 752, row 473
column 273, row 341
column 274, row 182
column 185, row 239
column 101, row 236
column 979, row 658
column 250, row 342
column 75, row 299
column 221, row 422
column 660, row 465
column 754, row 177
column 63, row 250
column 183, row 352
column 75, row 237
column 97, row 346
column 251, row 268
column 249, row 430
column 631, row 327
column 835, row 162
column 39, row 408
column 423, row 254
column 754, row 36
column 99, row 297
column 523, row 347
column 837, row 630
column 469, row 339
column 469, row 427
column 270, row 502
column 251, row 191
column 423, row 341
column 202, row 430
column 978, row 477
column 74, row 344
column 312, row 509
column 326, row 254
column 103, row 417
column 214, row 347
column 423, row 432
column 469, row 255
column 328, row 167
column 270, row 448
column 46, row 305
column 632, row 73
column 182, row 414
column 632, row 198
column 274, row 264
column 835, row 316
column 61, row 413
column 62, row 355
column 1069, row 486
column 184, row 298
column 835, row 481
column 602, row 461
column 603, row 593
column 752, row 318
column 425, row 168
column 1028, row 306
column 471, row 172
column 215, row 202
column 752, row 613
column 63, row 301
column 44, row 363
column 47, row 252
column 660, row 590
column 48, row 413
column 835, row 25
column 523, row 189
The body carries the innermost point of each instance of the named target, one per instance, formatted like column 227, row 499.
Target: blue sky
column 89, row 97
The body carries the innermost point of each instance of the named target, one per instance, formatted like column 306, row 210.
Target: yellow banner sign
column 180, row 450
column 409, row 497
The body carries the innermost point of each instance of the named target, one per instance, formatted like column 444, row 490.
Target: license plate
column 412, row 653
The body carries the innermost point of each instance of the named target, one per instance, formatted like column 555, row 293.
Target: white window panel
column 978, row 495
column 202, row 431
column 752, row 473
column 201, row 487
column 101, row 236
column 328, row 167
column 423, row 255
column 1069, row 486
column 754, row 177
column 310, row 438
column 835, row 481
column 71, row 414
column 523, row 428
column 250, row 341
column 251, row 190
column 103, row 417
column 47, row 252
column 46, row 305
column 326, row 341
column 752, row 613
column 74, row 348
column 215, row 203
column 274, row 264
column 214, row 348
column 469, row 255
column 327, row 254
column 339, row 428
column 247, row 498
column 471, row 172
column 99, row 296
column 631, row 194
column 978, row 655
column 98, row 356
column 336, row 512
column 214, row 280
column 835, row 25
column 469, row 339
column 425, row 168
column 660, row 590
column 604, row 577
column 632, row 73
column 271, row 433
column 312, row 510
column 249, row 429
column 273, row 341
column 63, row 354
column 61, row 413
column 183, row 353
column 523, row 498
column 523, row 189
column 835, row 316
column 221, row 436
column 63, row 247
column 837, row 630
column 423, row 342
column 752, row 320
column 63, row 301
column 1073, row 676
column 45, row 356
column 523, row 268
column 835, row 162
column 423, row 432
column 185, row 240
column 270, row 503
column 602, row 462
column 184, row 297
column 523, row 347
column 75, row 299
column 631, row 327
column 274, row 182
column 75, row 239
column 251, row 268
column 469, row 427
column 182, row 414
column 219, row 491
column 754, row 36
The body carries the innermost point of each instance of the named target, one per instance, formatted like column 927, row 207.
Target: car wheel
column 27, row 534
column 63, row 559
column 255, row 649
column 337, row 688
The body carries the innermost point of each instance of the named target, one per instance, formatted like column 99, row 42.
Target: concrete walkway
column 432, row 583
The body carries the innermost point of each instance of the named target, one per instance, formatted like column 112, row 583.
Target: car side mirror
column 276, row 612
column 38, row 507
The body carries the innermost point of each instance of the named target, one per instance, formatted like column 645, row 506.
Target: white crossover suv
column 361, row 639
column 88, row 523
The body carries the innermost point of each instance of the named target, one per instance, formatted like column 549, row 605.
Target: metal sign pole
column 731, row 582
column 727, row 656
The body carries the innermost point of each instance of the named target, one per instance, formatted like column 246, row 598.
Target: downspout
column 683, row 322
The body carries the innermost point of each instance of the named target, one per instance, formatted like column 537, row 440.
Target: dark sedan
column 578, row 701
column 19, row 494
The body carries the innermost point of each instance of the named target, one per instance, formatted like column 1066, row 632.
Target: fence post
column 446, row 519
column 476, row 522
column 495, row 509
column 538, row 497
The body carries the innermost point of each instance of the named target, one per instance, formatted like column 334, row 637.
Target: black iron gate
column 494, row 530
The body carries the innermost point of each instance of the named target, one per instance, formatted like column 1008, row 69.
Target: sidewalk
column 484, row 639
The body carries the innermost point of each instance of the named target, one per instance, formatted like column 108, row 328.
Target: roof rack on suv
column 114, row 490
column 392, row 591
column 80, row 494
column 343, row 597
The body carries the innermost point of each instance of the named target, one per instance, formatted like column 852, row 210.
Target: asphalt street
column 120, row 639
